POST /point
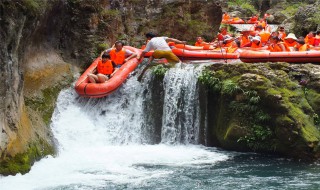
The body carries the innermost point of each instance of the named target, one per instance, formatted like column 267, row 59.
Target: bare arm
column 133, row 55
column 142, row 55
column 282, row 47
column 175, row 41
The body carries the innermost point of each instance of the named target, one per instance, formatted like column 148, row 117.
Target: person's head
column 281, row 29
column 199, row 39
column 227, row 39
column 118, row 45
column 291, row 38
column 274, row 39
column 105, row 57
column 259, row 28
column 310, row 34
column 223, row 30
column 150, row 35
column 256, row 39
column 275, row 33
column 245, row 33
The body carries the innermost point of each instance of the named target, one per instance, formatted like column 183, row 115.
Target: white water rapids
column 101, row 141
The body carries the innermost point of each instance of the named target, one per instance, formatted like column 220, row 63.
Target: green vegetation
column 291, row 9
column 21, row 163
column 44, row 105
column 159, row 70
column 101, row 47
column 33, row 7
column 110, row 13
column 244, row 4
column 316, row 17
column 246, row 108
column 207, row 78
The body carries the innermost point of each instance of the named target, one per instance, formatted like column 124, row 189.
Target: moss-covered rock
column 22, row 162
column 264, row 108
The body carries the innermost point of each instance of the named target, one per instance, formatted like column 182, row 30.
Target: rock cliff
column 270, row 107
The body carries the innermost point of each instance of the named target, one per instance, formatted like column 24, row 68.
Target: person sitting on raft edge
column 119, row 55
column 105, row 69
column 161, row 48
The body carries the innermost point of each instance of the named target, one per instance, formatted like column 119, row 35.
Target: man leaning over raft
column 161, row 48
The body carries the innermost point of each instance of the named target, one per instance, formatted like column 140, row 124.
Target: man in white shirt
column 161, row 48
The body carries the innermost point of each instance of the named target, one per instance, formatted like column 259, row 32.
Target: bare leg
column 102, row 78
column 93, row 78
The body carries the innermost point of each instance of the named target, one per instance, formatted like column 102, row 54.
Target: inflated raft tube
column 203, row 54
column 233, row 21
column 96, row 90
column 188, row 47
column 290, row 57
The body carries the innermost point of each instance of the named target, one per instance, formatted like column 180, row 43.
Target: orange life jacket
column 290, row 44
column 254, row 45
column 304, row 47
column 309, row 41
column 105, row 68
column 275, row 47
column 244, row 40
column 225, row 17
column 262, row 23
column 264, row 36
column 118, row 57
column 200, row 44
column 286, row 46
column 317, row 41
column 197, row 44
column 230, row 47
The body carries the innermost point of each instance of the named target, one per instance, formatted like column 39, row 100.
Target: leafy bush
column 244, row 4
column 230, row 87
column 207, row 78
column 159, row 70
column 291, row 9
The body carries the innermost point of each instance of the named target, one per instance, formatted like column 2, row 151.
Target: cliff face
column 271, row 107
column 43, row 43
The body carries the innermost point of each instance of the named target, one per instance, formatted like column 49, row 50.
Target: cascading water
column 103, row 142
column 181, row 105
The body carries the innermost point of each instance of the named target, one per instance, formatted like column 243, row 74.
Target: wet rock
column 273, row 109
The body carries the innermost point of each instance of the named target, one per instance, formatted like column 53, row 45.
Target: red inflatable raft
column 96, row 90
column 200, row 54
column 290, row 57
column 203, row 54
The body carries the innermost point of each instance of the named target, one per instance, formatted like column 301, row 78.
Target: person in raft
column 200, row 42
column 119, row 55
column 161, row 48
column 105, row 69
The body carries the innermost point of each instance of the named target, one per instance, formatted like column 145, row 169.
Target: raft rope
column 223, row 57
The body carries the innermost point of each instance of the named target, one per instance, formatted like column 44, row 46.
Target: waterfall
column 181, row 105
column 120, row 117
column 106, row 143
